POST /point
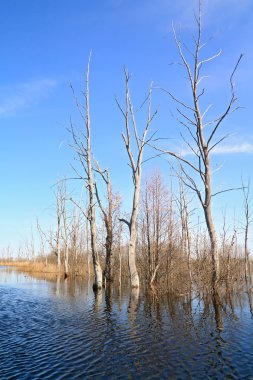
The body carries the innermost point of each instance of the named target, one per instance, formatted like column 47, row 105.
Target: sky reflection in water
column 61, row 330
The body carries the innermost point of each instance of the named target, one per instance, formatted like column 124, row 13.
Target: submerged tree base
column 96, row 287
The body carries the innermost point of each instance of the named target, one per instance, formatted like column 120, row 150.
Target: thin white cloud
column 24, row 95
column 234, row 148
column 238, row 148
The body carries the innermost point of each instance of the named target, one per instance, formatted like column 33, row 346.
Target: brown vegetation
column 171, row 255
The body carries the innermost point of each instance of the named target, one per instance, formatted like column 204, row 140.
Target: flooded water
column 61, row 330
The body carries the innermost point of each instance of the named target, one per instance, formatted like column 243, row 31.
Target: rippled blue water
column 60, row 330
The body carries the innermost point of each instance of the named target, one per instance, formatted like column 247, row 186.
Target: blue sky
column 45, row 47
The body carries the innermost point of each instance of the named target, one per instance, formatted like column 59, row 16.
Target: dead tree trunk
column 200, row 144
column 136, row 167
column 92, row 211
column 59, row 216
column 83, row 151
column 107, row 218
column 248, row 220
column 154, row 217
column 185, row 214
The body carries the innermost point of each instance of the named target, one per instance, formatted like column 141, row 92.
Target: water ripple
column 47, row 331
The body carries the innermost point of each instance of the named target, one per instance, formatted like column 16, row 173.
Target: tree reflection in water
column 124, row 333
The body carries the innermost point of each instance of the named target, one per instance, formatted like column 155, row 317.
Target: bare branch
column 219, row 141
column 177, row 156
column 80, row 208
column 209, row 59
column 187, row 117
column 232, row 100
column 125, row 221
column 175, row 99
column 99, row 201
column 206, row 110
column 178, row 43
column 120, row 108
column 225, row 191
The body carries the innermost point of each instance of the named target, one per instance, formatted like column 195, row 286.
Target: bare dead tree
column 77, row 237
column 107, row 213
column 200, row 142
column 185, row 214
column 65, row 231
column 136, row 167
column 248, row 221
column 82, row 147
column 59, row 215
column 62, row 232
column 118, row 250
column 43, row 240
column 171, row 235
column 57, row 240
column 153, row 218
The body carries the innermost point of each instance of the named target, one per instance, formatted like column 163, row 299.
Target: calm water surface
column 61, row 330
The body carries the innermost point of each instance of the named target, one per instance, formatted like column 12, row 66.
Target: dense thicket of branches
column 172, row 248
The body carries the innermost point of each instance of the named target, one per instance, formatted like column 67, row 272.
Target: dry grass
column 176, row 279
column 40, row 267
column 31, row 266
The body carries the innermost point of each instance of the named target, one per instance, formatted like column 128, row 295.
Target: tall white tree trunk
column 210, row 223
column 92, row 211
column 202, row 137
column 66, row 262
column 134, row 277
column 96, row 264
column 136, row 173
column 83, row 150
